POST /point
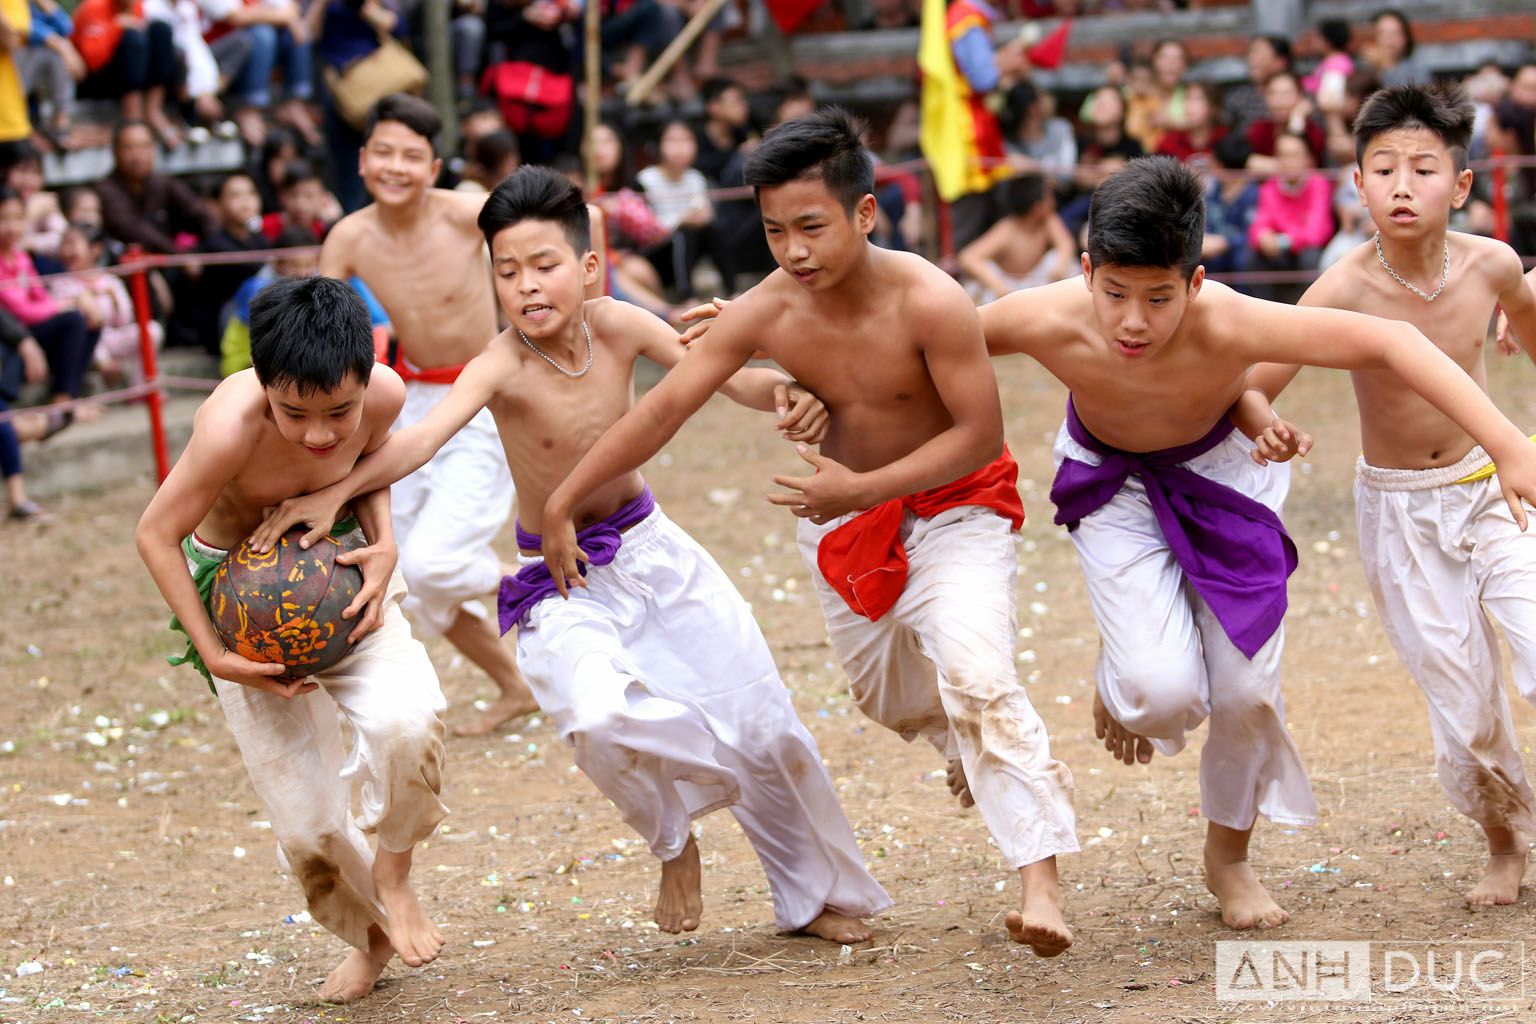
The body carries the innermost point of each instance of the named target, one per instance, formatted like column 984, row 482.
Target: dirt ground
column 141, row 883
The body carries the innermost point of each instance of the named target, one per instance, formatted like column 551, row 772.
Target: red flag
column 1049, row 51
column 788, row 14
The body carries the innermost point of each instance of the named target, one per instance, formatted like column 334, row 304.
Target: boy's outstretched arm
column 396, row 456
column 802, row 416
column 641, row 432
column 219, row 447
column 1355, row 341
column 1517, row 306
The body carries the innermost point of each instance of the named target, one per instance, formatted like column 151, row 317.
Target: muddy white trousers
column 659, row 677
column 1165, row 663
column 1444, row 561
column 305, row 775
column 940, row 665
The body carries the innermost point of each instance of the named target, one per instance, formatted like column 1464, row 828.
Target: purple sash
column 533, row 583
column 1233, row 549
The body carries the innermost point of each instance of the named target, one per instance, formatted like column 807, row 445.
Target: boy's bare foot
column 511, row 704
column 1245, row 903
column 1125, row 745
column 958, row 784
column 1500, row 884
column 679, row 905
column 411, row 932
column 835, row 927
column 355, row 976
column 1040, row 924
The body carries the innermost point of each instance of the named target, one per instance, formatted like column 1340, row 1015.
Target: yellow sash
column 1484, row 472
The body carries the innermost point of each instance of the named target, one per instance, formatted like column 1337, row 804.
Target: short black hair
column 533, row 192
column 1150, row 213
column 1335, row 32
column 294, row 237
column 311, row 333
column 7, row 194
column 414, row 112
column 295, row 173
column 217, row 189
column 18, row 152
column 1403, row 23
column 1281, row 46
column 719, row 85
column 123, row 127
column 1021, row 194
column 1443, row 110
column 491, row 151
column 823, row 145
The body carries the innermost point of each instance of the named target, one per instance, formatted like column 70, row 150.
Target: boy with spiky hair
column 1440, row 549
column 1175, row 516
column 907, row 524
column 657, row 674
column 313, row 404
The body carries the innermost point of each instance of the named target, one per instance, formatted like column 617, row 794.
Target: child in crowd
column 117, row 355
column 303, row 201
column 679, row 196
column 1294, row 219
column 66, row 334
column 1030, row 246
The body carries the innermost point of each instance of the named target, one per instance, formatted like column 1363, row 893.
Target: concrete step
column 116, row 449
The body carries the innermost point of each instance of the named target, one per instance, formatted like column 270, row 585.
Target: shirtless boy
column 918, row 590
column 1028, row 247
column 1161, row 491
column 298, row 421
column 658, row 675
column 1441, row 553
column 418, row 250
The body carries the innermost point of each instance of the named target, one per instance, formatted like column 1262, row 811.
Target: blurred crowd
column 271, row 73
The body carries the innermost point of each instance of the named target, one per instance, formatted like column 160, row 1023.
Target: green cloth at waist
column 204, row 568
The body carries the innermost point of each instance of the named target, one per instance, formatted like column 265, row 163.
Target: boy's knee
column 1156, row 698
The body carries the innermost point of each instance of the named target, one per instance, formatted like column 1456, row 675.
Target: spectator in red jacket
column 129, row 59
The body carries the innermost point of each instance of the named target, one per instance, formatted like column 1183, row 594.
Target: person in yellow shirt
column 15, row 23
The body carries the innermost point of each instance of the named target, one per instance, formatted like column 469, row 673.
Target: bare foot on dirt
column 679, row 906
column 958, row 784
column 1040, row 924
column 511, row 704
column 1245, row 903
column 411, row 932
column 355, row 976
column 835, row 927
column 1125, row 745
column 1500, row 884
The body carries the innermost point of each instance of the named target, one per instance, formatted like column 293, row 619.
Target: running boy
column 1440, row 551
column 918, row 590
column 1176, row 523
column 418, row 250
column 296, row 422
column 659, row 676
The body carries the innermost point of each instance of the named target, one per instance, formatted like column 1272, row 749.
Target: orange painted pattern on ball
column 285, row 606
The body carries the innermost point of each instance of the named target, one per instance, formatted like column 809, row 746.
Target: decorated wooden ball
column 284, row 606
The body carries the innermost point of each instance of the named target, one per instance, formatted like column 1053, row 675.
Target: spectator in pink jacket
column 67, row 336
column 1294, row 219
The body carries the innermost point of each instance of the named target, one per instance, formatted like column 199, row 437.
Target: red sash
column 864, row 559
column 387, row 351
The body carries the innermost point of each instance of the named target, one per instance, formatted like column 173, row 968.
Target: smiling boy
column 418, row 250
column 1176, row 523
column 1440, row 549
column 313, row 404
column 907, row 525
column 658, row 676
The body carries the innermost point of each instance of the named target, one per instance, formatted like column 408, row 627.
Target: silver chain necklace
column 1445, row 273
column 545, row 355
